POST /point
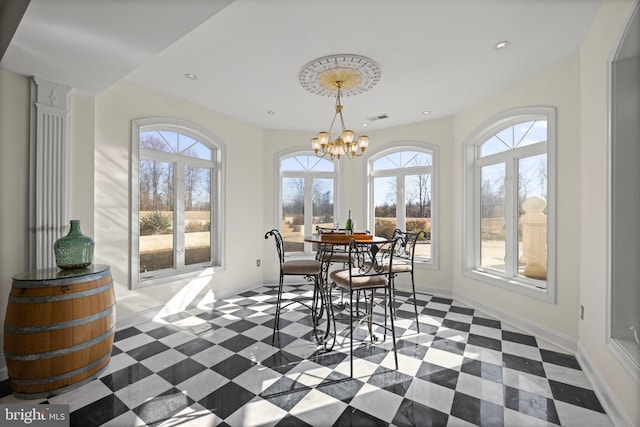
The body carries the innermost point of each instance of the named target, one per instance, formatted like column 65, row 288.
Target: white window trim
column 337, row 190
column 471, row 218
column 218, row 240
column 371, row 156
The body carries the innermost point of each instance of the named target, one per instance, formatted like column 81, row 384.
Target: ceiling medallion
column 339, row 75
column 357, row 73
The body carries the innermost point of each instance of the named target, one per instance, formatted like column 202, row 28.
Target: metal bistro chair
column 368, row 272
column 310, row 270
column 404, row 256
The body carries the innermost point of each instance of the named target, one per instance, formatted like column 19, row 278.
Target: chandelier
column 342, row 75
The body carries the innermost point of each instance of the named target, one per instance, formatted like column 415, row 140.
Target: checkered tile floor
column 214, row 364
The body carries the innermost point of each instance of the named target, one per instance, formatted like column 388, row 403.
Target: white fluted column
column 48, row 170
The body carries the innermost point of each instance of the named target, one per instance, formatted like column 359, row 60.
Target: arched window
column 510, row 202
column 307, row 195
column 403, row 194
column 176, row 193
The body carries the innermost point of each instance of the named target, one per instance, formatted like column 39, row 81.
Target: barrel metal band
column 33, row 329
column 61, row 297
column 38, row 381
column 64, row 389
column 60, row 352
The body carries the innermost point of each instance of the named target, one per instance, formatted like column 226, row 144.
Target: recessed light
column 191, row 76
column 426, row 113
column 501, row 45
column 364, row 125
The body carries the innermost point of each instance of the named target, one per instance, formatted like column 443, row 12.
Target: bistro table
column 328, row 244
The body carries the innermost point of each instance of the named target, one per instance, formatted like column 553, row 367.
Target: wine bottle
column 348, row 226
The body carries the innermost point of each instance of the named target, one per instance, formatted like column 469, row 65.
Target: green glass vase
column 75, row 250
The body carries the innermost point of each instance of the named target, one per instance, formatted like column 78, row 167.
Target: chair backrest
column 406, row 248
column 279, row 243
column 368, row 258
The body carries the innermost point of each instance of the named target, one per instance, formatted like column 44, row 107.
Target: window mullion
column 477, row 217
column 308, row 208
column 511, row 219
column 179, row 215
column 401, row 209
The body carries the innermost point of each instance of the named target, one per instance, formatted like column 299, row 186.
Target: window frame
column 217, row 229
column 337, row 192
column 370, row 175
column 472, row 165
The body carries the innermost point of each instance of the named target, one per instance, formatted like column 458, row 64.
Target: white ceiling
column 435, row 55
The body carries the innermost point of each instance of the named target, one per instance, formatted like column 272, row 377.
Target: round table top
column 343, row 239
column 57, row 273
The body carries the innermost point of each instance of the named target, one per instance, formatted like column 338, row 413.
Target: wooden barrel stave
column 58, row 333
column 47, row 382
column 40, row 342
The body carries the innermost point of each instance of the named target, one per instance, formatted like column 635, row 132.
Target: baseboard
column 611, row 406
column 566, row 343
column 562, row 341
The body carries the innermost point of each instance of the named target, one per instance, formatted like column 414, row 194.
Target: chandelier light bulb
column 348, row 136
column 323, row 137
column 363, row 142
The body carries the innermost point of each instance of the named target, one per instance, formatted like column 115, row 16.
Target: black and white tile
column 214, row 364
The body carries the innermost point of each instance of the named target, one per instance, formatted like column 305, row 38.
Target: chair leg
column 331, row 320
column 369, row 314
column 392, row 296
column 393, row 334
column 317, row 308
column 352, row 331
column 276, row 320
column 415, row 305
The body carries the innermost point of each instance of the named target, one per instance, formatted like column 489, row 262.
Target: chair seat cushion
column 301, row 266
column 341, row 278
column 401, row 267
column 398, row 267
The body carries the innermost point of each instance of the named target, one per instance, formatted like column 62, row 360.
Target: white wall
column 14, row 186
column 596, row 51
column 81, row 176
column 114, row 111
column 556, row 86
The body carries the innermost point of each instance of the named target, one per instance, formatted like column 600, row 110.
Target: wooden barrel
column 58, row 330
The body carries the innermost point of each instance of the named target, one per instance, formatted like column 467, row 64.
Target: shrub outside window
column 510, row 202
